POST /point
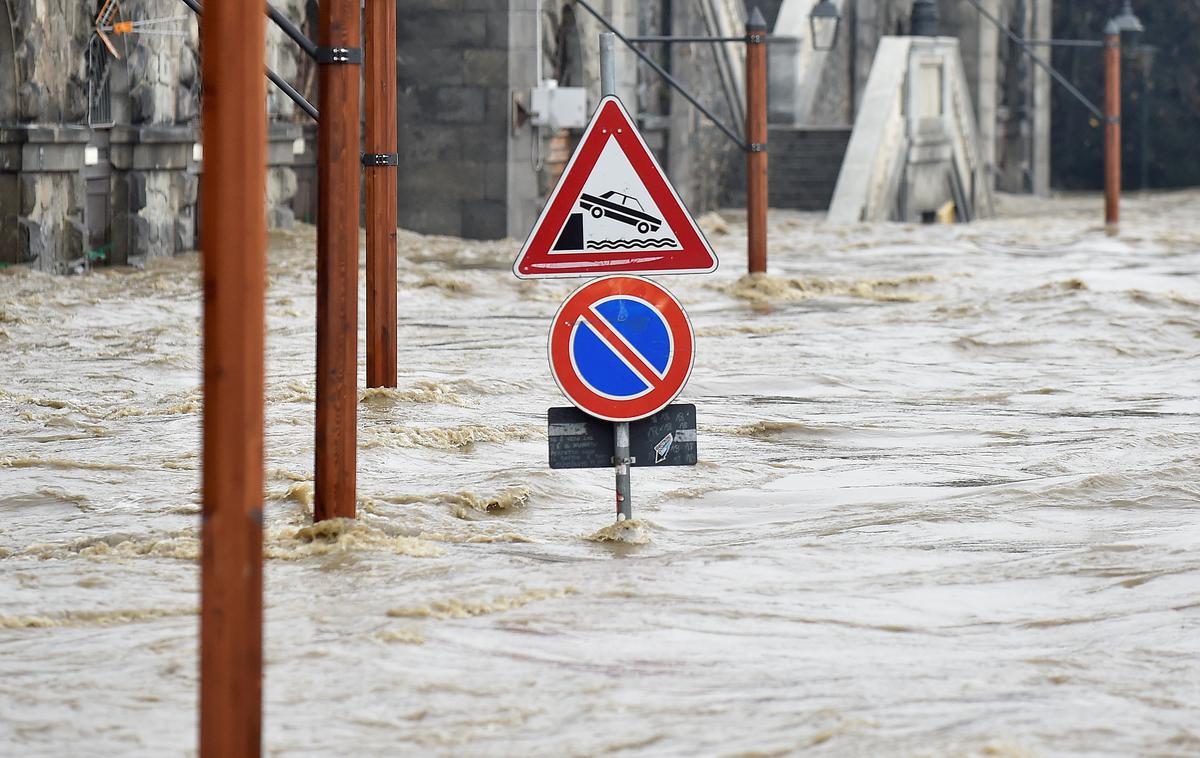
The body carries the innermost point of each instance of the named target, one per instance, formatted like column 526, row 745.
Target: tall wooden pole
column 380, row 163
column 756, row 135
column 233, row 241
column 338, row 164
column 1112, row 126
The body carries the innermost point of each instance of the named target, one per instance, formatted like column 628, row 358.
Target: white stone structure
column 915, row 144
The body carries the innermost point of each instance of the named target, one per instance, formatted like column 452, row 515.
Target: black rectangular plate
column 577, row 440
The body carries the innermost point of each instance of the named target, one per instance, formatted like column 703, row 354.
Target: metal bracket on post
column 381, row 159
column 352, row 55
column 756, row 147
column 756, row 38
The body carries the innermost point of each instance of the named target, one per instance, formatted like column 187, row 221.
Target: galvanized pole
column 1112, row 126
column 756, row 136
column 608, row 64
column 379, row 162
column 621, row 459
column 337, row 259
column 234, row 251
column 621, row 462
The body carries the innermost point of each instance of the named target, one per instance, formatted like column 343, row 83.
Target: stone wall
column 452, row 98
column 41, row 145
column 74, row 191
column 154, row 194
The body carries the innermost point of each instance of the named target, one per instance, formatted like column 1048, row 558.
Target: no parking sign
column 621, row 348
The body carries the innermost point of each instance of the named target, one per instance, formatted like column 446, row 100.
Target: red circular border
column 572, row 385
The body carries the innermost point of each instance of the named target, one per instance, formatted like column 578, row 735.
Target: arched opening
column 568, row 60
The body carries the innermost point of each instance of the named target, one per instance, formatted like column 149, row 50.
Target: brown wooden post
column 1112, row 125
column 338, row 164
column 756, row 135
column 380, row 163
column 234, row 240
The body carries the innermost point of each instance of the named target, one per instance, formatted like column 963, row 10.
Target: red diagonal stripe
column 618, row 346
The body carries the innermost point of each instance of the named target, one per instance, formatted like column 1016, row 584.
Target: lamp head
column 825, row 18
column 1126, row 21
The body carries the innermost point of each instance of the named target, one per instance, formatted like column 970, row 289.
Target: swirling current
column 946, row 505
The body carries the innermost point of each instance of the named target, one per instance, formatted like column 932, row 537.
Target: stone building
column 99, row 156
column 99, row 151
column 816, row 95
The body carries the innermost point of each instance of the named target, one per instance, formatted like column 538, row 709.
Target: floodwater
column 947, row 505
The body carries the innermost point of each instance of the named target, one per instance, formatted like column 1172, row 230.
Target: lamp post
column 824, row 19
column 1112, row 125
column 1125, row 22
column 924, row 18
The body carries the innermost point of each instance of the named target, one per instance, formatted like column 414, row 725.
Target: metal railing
column 291, row 30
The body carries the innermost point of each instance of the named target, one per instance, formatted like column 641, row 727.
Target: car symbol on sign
column 620, row 207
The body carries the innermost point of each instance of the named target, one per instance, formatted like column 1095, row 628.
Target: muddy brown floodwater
column 947, row 505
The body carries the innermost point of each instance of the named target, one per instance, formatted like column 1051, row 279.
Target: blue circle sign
column 621, row 348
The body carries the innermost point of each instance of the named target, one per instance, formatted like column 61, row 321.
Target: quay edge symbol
column 621, row 348
column 613, row 211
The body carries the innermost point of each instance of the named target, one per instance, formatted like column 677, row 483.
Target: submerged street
column 945, row 506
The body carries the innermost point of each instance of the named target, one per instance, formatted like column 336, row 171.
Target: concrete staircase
column 804, row 165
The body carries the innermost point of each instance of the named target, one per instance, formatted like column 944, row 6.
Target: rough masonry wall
column 146, row 171
column 285, row 58
column 154, row 192
column 41, row 198
column 453, row 104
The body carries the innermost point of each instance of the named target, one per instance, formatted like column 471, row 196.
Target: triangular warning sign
column 613, row 211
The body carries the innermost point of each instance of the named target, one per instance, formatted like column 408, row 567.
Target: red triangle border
column 611, row 121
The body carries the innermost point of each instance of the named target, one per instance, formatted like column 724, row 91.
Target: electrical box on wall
column 558, row 107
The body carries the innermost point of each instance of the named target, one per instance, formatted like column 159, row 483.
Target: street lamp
column 824, row 19
column 1123, row 22
column 1126, row 21
column 924, row 18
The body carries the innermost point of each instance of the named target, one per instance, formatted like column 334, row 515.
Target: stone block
column 32, row 102
column 425, row 6
column 458, row 30
column 497, row 107
column 484, row 143
column 430, row 218
column 496, row 25
column 137, row 190
column 447, row 179
column 453, row 105
column 185, row 233
column 189, row 185
column 484, row 219
column 420, row 143
column 281, row 217
column 426, row 66
column 522, row 29
column 495, row 183
column 33, row 245
column 485, row 67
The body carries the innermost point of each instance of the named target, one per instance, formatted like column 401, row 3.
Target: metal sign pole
column 621, row 459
